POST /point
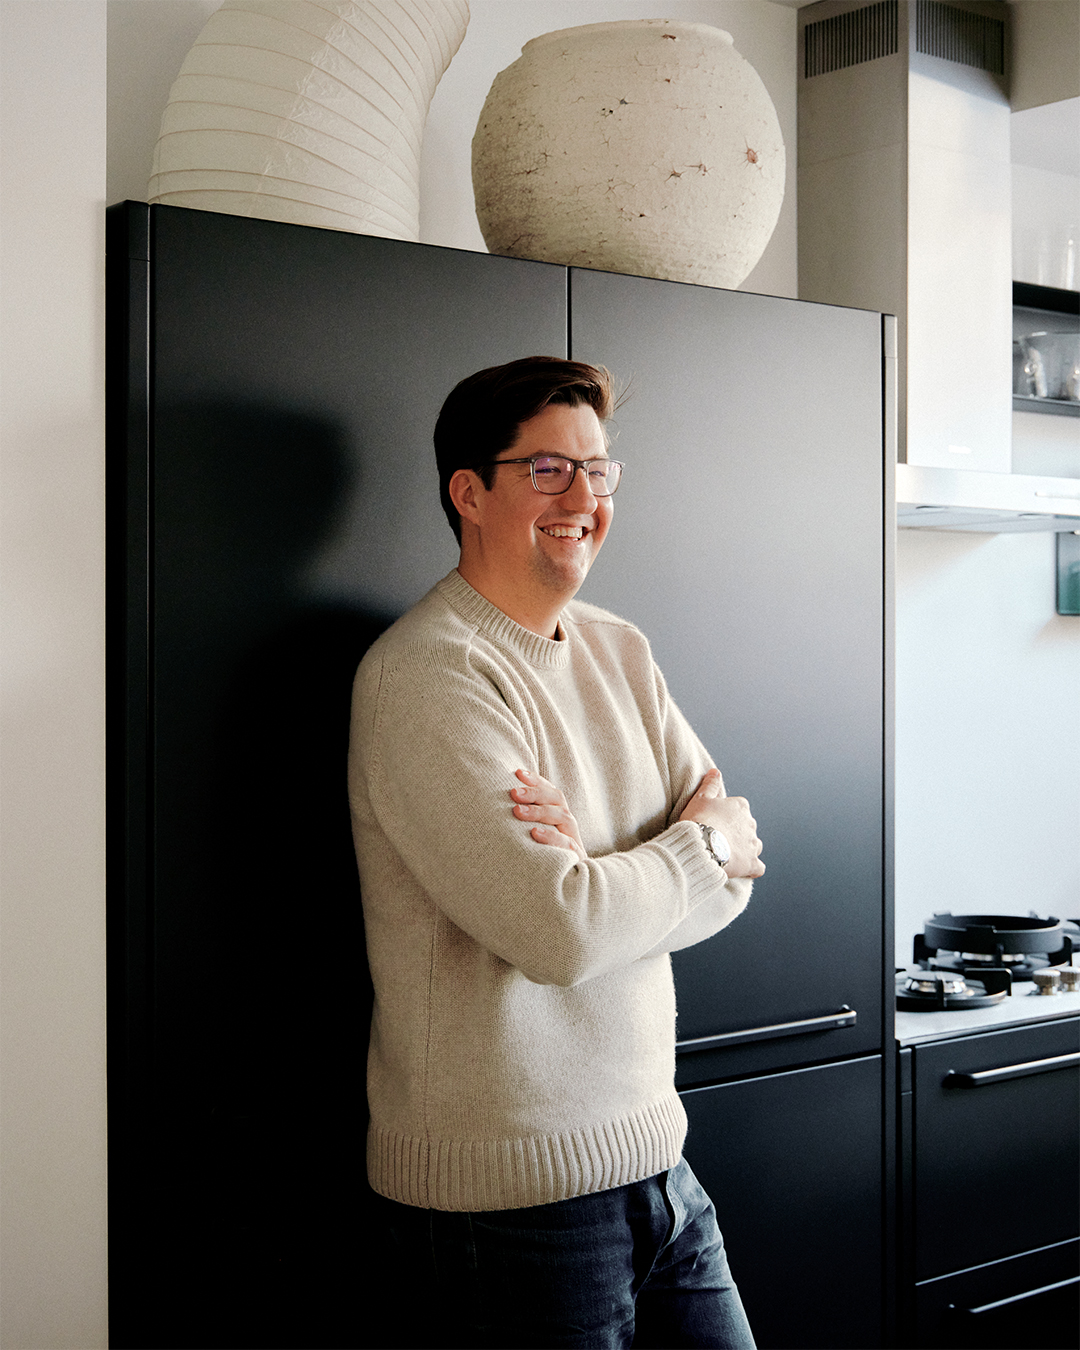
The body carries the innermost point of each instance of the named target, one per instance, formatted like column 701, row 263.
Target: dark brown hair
column 482, row 415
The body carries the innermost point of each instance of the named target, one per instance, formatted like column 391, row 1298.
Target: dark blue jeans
column 640, row 1265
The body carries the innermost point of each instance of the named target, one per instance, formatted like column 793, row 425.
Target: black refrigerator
column 273, row 506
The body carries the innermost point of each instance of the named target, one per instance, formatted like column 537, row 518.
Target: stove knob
column 1047, row 980
column 1070, row 979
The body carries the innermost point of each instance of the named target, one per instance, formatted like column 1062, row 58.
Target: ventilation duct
column 905, row 206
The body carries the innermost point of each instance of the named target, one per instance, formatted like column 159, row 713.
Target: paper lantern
column 643, row 146
column 309, row 113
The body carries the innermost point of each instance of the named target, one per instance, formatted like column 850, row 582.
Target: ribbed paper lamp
column 644, row 146
column 311, row 113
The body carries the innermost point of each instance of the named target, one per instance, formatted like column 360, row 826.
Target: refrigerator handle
column 833, row 1022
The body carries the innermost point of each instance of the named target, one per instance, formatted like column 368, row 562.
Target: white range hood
column 905, row 207
column 957, row 499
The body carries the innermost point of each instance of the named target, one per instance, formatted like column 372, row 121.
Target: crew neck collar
column 501, row 628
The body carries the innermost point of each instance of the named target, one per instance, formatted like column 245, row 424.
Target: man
column 537, row 828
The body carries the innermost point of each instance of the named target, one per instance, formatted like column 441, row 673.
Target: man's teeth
column 564, row 531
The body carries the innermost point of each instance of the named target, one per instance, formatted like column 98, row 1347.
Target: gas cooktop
column 976, row 971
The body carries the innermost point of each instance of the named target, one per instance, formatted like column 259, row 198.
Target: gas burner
column 970, row 944
column 973, row 963
column 948, row 991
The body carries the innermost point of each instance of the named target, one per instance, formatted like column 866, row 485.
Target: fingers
column 547, row 834
column 543, row 806
column 546, row 814
column 540, row 801
column 536, row 789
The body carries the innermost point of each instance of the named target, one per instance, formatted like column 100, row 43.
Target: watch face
column 720, row 846
column 716, row 843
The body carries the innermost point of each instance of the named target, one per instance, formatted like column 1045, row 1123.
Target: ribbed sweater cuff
column 479, row 1175
column 687, row 844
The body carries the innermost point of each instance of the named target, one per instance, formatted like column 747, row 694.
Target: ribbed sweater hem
column 478, row 1175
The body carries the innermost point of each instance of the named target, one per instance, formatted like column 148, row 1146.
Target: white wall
column 987, row 730
column 53, row 1240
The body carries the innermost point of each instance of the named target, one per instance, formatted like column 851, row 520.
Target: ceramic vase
column 308, row 112
column 644, row 146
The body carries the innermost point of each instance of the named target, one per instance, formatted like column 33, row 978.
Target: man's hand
column 731, row 816
column 544, row 807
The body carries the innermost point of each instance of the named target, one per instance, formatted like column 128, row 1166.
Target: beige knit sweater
column 523, row 1040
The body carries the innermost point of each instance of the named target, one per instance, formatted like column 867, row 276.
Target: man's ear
column 465, row 488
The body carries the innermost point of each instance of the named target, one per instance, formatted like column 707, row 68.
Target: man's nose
column 579, row 492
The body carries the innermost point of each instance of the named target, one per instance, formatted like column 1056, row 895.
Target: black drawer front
column 997, row 1159
column 1029, row 1300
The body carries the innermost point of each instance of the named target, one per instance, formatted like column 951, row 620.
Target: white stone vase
column 644, row 146
column 308, row 112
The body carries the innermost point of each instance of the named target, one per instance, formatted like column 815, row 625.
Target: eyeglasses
column 555, row 474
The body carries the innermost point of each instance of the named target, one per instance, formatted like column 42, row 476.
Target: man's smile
column 565, row 531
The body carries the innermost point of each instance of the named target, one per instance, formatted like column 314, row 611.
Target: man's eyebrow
column 561, row 454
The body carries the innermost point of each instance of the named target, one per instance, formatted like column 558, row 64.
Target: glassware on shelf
column 1050, row 366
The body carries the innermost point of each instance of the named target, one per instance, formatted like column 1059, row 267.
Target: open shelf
column 1045, row 308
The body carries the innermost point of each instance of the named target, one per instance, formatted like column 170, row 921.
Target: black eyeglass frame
column 582, row 464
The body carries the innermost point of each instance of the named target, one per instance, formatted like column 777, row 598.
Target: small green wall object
column 1068, row 572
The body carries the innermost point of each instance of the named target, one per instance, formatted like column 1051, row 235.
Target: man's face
column 537, row 541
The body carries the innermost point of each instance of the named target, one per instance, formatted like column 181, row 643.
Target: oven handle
column 984, row 1077
column 844, row 1018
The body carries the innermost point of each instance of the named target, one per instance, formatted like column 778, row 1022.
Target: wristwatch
column 716, row 843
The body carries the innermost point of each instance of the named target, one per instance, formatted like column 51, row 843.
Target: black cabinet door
column 749, row 545
column 997, row 1158
column 793, row 1163
column 283, row 508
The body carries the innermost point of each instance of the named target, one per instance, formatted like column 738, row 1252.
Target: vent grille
column 849, row 39
column 957, row 35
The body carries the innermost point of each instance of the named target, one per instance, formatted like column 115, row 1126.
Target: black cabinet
column 754, row 554
column 273, row 506
column 794, row 1164
column 991, row 1185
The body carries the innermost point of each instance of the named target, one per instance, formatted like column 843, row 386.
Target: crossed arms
column 542, row 805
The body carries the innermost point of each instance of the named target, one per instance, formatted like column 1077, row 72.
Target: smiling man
column 537, row 828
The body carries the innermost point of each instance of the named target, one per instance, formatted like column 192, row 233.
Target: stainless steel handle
column 984, row 1077
column 844, row 1018
column 1016, row 1298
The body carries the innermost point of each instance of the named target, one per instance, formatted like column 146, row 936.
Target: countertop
column 1024, row 1005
